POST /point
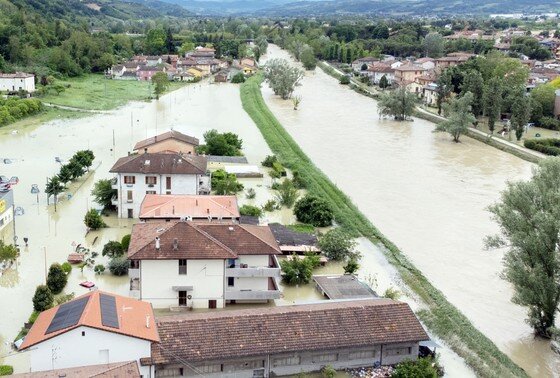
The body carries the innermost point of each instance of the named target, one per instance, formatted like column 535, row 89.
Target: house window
column 231, row 281
column 130, row 213
column 182, row 298
column 168, row 183
column 129, row 194
column 83, row 333
column 183, row 266
column 286, row 361
column 212, row 303
column 397, row 351
column 361, row 355
column 150, row 192
column 231, row 263
column 129, row 179
column 151, row 180
column 208, row 369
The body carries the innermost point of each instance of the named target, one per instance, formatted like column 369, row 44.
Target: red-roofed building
column 95, row 328
column 203, row 265
column 189, row 207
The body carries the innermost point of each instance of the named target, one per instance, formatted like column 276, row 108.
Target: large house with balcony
column 179, row 264
column 156, row 173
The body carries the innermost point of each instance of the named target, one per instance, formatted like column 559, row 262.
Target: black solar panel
column 109, row 316
column 68, row 315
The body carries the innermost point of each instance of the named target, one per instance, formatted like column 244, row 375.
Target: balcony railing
column 252, row 294
column 114, row 183
column 134, row 287
column 134, row 273
column 253, row 272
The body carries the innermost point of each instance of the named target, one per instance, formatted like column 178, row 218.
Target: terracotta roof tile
column 199, row 241
column 197, row 207
column 114, row 370
column 242, row 333
column 161, row 163
column 173, row 134
column 132, row 321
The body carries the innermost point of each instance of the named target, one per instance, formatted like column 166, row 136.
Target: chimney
column 196, row 202
column 175, row 244
column 145, row 150
column 207, row 211
column 147, row 321
column 173, row 210
column 157, row 243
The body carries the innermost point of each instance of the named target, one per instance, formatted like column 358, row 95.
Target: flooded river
column 425, row 193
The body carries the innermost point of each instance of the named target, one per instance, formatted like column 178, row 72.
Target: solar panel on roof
column 67, row 315
column 109, row 316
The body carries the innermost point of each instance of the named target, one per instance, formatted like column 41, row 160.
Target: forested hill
column 109, row 9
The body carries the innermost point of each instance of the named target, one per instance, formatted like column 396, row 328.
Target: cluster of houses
column 195, row 65
column 419, row 75
column 190, row 251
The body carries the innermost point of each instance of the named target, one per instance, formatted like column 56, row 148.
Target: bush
column 550, row 146
column 269, row 160
column 297, row 180
column 392, row 293
column 352, row 266
column 224, row 183
column 296, row 271
column 421, row 368
column 549, row 123
column 113, row 249
column 56, row 279
column 238, row 78
column 99, row 269
column 6, row 370
column 220, row 144
column 314, row 210
column 328, row 372
column 250, row 193
column 270, row 205
column 93, row 220
column 287, row 194
column 345, row 80
column 43, row 298
column 279, row 168
column 66, row 267
column 337, row 245
column 125, row 242
column 249, row 210
column 118, row 266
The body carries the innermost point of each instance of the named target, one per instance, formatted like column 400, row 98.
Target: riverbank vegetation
column 459, row 117
column 14, row 109
column 441, row 317
column 550, row 146
column 529, row 230
column 399, row 104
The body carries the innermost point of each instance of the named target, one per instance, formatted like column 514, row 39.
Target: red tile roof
column 161, row 163
column 199, row 241
column 197, row 207
column 114, row 370
column 168, row 135
column 132, row 321
column 260, row 331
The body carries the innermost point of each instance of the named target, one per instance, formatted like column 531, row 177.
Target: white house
column 17, row 81
column 6, row 208
column 156, row 173
column 378, row 70
column 95, row 328
column 202, row 265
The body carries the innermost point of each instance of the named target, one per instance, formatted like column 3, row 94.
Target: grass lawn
column 94, row 92
column 439, row 315
column 49, row 114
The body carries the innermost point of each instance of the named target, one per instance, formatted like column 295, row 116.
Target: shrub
column 345, row 80
column 328, row 372
column 99, row 269
column 238, row 78
column 549, row 123
column 314, row 210
column 279, row 168
column 420, row 368
column 287, row 194
column 125, row 242
column 337, row 245
column 220, row 144
column 66, row 267
column 269, row 160
column 225, row 183
column 297, row 180
column 250, row 211
column 251, row 194
column 118, row 266
column 351, row 266
column 112, row 249
column 296, row 271
column 549, row 146
column 392, row 293
column 93, row 220
column 43, row 298
column 56, row 279
column 270, row 205
column 8, row 252
column 6, row 370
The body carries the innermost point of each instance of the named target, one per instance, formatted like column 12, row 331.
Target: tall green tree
column 459, row 116
column 398, row 104
column 528, row 214
column 156, row 41
column 521, row 113
column 56, row 279
column 493, row 92
column 161, row 82
column 282, row 77
column 103, row 193
column 308, row 58
column 54, row 188
column 262, row 43
column 434, row 45
column 474, row 83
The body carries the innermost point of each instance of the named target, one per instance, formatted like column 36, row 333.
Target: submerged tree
column 459, row 117
column 493, row 93
column 398, row 104
column 161, row 82
column 282, row 78
column 103, row 193
column 529, row 218
column 296, row 100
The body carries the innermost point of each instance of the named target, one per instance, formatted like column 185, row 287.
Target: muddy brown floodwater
column 425, row 193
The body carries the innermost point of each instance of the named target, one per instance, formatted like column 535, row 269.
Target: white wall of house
column 180, row 184
column 17, row 83
column 85, row 346
column 158, row 277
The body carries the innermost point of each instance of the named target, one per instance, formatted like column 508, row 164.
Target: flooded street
column 426, row 194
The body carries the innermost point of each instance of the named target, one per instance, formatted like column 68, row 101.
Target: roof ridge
column 207, row 235
column 243, row 226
